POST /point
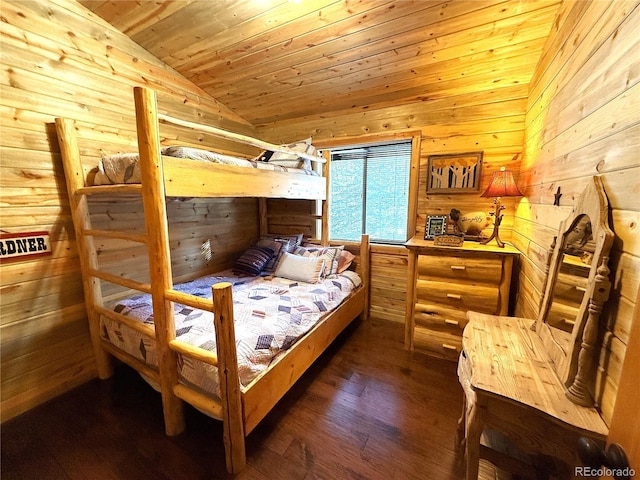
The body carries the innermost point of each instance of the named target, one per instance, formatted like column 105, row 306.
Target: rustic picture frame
column 435, row 225
column 454, row 172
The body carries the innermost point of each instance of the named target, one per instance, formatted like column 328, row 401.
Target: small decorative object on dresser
column 436, row 225
column 448, row 240
column 470, row 225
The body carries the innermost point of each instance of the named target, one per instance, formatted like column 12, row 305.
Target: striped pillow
column 278, row 246
column 253, row 260
column 289, row 242
column 331, row 256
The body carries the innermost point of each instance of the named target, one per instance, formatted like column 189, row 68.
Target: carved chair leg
column 460, row 430
column 474, row 427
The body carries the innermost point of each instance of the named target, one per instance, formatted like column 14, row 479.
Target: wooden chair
column 529, row 379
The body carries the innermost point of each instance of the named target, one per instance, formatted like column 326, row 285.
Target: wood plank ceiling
column 272, row 60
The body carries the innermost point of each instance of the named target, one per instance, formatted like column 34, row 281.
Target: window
column 369, row 191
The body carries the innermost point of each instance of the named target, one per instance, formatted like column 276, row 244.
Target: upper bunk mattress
column 124, row 167
column 271, row 314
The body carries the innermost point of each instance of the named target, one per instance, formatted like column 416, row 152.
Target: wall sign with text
column 26, row 244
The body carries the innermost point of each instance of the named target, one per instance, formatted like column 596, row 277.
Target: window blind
column 369, row 191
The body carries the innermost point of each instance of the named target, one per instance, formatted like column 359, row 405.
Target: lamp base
column 496, row 225
column 493, row 235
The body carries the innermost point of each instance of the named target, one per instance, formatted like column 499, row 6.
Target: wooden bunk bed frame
column 239, row 408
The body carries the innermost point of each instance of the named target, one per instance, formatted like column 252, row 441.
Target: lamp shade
column 502, row 184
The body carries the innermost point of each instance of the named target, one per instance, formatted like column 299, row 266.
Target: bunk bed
column 239, row 406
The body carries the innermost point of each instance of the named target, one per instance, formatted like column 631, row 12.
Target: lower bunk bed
column 240, row 341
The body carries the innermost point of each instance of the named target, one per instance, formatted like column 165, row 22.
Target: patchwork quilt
column 271, row 314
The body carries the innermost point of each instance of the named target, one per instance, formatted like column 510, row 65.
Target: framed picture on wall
column 436, row 225
column 454, row 172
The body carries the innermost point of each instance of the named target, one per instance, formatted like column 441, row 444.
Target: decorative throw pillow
column 253, row 260
column 279, row 246
column 118, row 168
column 346, row 257
column 290, row 159
column 300, row 269
column 331, row 255
column 289, row 242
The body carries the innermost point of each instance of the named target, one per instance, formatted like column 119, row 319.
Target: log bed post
column 324, row 207
column 264, row 219
column 230, row 390
column 365, row 272
column 155, row 214
column 74, row 176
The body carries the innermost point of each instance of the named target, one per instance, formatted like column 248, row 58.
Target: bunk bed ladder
column 74, row 176
column 85, row 234
column 92, row 276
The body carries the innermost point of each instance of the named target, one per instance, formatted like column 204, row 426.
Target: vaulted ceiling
column 271, row 60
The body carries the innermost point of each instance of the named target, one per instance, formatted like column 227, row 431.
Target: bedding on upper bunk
column 124, row 168
column 271, row 313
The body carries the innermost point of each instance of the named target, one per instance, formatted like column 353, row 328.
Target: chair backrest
column 577, row 286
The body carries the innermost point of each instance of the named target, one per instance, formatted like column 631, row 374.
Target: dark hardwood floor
column 367, row 409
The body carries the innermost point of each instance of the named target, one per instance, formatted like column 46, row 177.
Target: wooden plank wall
column 58, row 59
column 192, row 224
column 583, row 119
column 579, row 117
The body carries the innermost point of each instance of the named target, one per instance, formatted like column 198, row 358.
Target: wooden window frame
column 415, row 136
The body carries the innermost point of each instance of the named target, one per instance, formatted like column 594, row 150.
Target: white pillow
column 291, row 159
column 303, row 146
column 300, row 269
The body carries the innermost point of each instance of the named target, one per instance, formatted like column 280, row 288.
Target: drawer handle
column 446, row 346
column 581, row 289
column 455, row 296
column 458, row 267
column 452, row 322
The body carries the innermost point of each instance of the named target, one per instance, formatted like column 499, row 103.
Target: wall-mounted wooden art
column 454, row 172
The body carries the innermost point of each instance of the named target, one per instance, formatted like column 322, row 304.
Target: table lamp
column 501, row 185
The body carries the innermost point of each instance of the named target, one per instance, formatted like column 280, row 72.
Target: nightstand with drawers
column 444, row 282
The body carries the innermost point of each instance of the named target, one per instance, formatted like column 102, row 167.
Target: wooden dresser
column 445, row 282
